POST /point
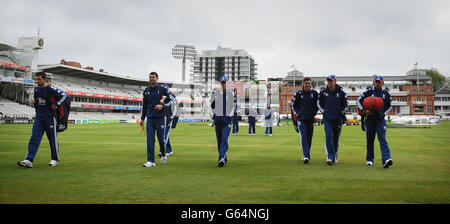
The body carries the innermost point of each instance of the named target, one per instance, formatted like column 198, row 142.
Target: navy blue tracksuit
column 251, row 125
column 252, row 121
column 45, row 121
column 170, row 115
column 235, row 117
column 333, row 105
column 235, row 123
column 155, row 119
column 376, row 124
column 222, row 107
column 305, row 108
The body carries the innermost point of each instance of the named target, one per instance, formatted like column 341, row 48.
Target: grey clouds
column 319, row 37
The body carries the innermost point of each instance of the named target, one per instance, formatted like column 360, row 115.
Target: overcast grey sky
column 320, row 37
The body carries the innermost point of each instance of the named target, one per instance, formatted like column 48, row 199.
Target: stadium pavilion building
column 16, row 67
column 442, row 102
column 99, row 95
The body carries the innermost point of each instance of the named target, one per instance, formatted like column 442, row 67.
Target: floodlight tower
column 184, row 52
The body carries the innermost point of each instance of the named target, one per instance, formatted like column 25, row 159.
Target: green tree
column 437, row 78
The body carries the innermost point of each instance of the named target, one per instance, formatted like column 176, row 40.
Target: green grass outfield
column 103, row 164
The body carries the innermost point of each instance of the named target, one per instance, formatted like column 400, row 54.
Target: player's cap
column 379, row 78
column 331, row 77
column 223, row 79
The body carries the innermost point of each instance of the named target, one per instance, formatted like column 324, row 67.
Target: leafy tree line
column 438, row 79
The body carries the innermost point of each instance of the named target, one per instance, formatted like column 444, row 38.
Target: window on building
column 419, row 109
column 429, row 109
column 8, row 73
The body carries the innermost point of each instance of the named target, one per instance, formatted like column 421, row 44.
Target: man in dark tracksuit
column 268, row 120
column 45, row 120
column 235, row 123
column 375, row 122
column 305, row 108
column 287, row 118
column 333, row 105
column 235, row 115
column 222, row 108
column 171, row 111
column 252, row 120
column 153, row 109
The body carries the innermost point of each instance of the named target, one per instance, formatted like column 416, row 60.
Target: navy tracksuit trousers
column 306, row 130
column 251, row 125
column 223, row 130
column 155, row 124
column 42, row 124
column 166, row 137
column 378, row 127
column 332, row 134
column 268, row 130
column 235, row 124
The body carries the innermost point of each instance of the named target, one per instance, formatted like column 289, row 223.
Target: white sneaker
column 170, row 153
column 149, row 164
column 369, row 163
column 270, row 134
column 266, row 134
column 53, row 163
column 25, row 163
column 164, row 159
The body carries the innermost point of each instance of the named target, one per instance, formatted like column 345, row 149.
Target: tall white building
column 209, row 65
column 30, row 47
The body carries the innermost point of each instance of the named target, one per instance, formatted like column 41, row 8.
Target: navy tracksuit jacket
column 222, row 107
column 155, row 119
column 45, row 121
column 305, row 108
column 333, row 105
column 376, row 124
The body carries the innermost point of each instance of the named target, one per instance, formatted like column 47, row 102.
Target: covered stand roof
column 61, row 69
column 90, row 74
